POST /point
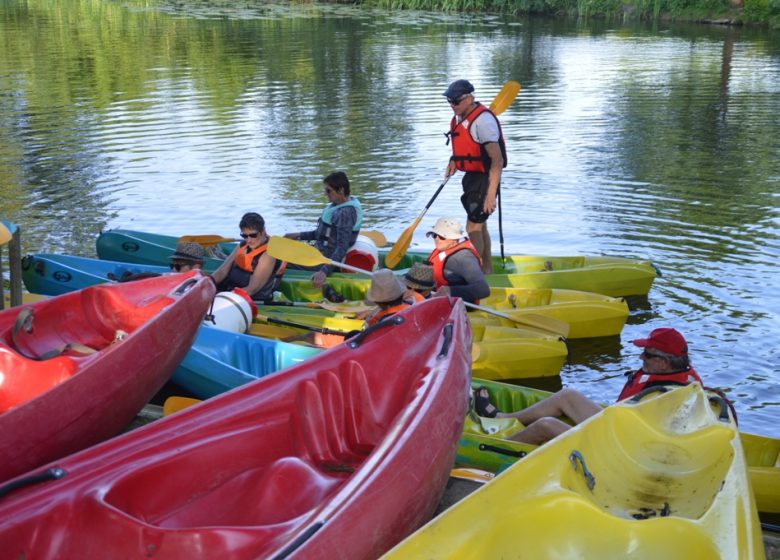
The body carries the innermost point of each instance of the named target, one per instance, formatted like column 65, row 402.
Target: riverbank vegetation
column 732, row 12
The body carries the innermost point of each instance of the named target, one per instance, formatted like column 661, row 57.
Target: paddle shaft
column 555, row 326
column 321, row 330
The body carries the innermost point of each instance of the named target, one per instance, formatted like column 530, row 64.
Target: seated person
column 188, row 256
column 664, row 362
column 457, row 269
column 249, row 267
column 387, row 292
column 419, row 282
column 338, row 226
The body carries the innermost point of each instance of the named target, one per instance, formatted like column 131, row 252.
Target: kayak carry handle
column 355, row 341
column 576, row 457
column 723, row 415
column 502, row 451
column 649, row 390
column 185, row 286
column 445, row 345
column 54, row 473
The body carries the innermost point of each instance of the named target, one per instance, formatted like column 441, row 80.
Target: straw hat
column 385, row 287
column 448, row 228
column 420, row 277
column 191, row 252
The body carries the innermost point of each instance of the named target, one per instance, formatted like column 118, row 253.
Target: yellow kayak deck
column 662, row 478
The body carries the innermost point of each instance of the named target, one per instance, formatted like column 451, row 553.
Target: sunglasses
column 458, row 100
column 176, row 267
column 437, row 236
column 650, row 356
column 252, row 235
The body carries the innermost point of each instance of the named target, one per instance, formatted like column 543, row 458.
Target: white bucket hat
column 448, row 228
column 385, row 287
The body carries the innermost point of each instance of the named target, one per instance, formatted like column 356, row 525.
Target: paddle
column 283, row 322
column 302, row 254
column 175, row 404
column 502, row 100
column 541, row 322
column 377, row 237
column 345, row 308
column 5, row 234
column 206, row 240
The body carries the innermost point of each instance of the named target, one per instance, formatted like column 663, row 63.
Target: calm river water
column 657, row 142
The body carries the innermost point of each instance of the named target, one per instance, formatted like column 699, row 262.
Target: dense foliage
column 722, row 11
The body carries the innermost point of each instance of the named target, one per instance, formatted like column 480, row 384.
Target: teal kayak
column 612, row 276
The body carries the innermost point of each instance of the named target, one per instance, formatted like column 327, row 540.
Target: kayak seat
column 23, row 379
column 107, row 311
column 336, row 423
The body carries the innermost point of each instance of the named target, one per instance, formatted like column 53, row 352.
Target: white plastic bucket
column 363, row 254
column 232, row 311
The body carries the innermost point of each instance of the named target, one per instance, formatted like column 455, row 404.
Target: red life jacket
column 467, row 154
column 378, row 314
column 438, row 259
column 640, row 380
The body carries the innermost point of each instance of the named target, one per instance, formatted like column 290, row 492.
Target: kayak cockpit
column 274, row 471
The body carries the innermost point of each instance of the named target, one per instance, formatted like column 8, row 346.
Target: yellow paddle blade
column 5, row 234
column 205, row 240
column 505, row 97
column 175, row 404
column 295, row 252
column 399, row 247
column 376, row 236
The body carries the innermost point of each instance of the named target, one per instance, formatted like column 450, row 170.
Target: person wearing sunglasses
column 664, row 362
column 249, row 267
column 479, row 150
column 456, row 263
column 188, row 256
column 337, row 228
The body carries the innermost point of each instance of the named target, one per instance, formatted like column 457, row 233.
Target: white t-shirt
column 484, row 129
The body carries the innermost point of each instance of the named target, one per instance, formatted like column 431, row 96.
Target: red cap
column 666, row 340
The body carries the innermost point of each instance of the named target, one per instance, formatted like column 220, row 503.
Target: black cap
column 458, row 88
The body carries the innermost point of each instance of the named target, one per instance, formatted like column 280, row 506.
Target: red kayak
column 341, row 456
column 77, row 368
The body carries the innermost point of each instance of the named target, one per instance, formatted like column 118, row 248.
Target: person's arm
column 301, row 235
column 261, row 275
column 224, row 269
column 463, row 268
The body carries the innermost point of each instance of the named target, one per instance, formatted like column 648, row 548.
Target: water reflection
column 178, row 117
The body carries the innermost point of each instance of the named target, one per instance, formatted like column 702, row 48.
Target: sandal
column 482, row 403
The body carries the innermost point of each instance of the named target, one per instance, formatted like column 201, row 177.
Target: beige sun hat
column 420, row 277
column 448, row 228
column 385, row 287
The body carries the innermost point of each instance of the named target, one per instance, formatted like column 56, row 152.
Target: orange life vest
column 640, row 380
column 438, row 259
column 243, row 267
column 469, row 155
column 379, row 313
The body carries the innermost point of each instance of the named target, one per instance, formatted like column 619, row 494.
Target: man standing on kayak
column 664, row 362
column 479, row 150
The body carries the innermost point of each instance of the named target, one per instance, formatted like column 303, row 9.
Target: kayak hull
column 140, row 334
column 324, row 460
column 612, row 276
column 662, row 478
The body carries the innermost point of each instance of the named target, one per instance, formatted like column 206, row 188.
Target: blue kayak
column 217, row 361
column 221, row 360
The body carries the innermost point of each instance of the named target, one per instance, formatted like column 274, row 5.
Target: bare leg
column 480, row 238
column 566, row 402
column 541, row 431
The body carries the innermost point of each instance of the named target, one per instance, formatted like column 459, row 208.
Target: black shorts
column 475, row 186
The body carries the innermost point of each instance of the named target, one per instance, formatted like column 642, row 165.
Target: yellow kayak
column 661, row 478
column 498, row 352
column 587, row 314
